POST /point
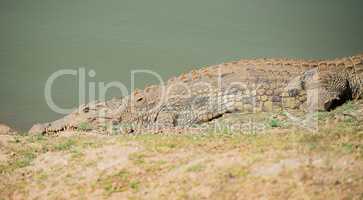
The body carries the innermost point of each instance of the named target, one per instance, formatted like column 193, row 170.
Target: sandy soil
column 283, row 163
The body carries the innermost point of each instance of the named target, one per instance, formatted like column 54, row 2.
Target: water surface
column 113, row 37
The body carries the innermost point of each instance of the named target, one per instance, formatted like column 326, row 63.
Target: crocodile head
column 87, row 117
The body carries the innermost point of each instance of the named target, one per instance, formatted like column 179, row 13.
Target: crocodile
column 208, row 93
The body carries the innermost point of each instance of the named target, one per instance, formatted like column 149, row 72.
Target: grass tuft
column 196, row 168
column 65, row 145
column 119, row 182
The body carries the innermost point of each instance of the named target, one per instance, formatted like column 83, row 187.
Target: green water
column 112, row 37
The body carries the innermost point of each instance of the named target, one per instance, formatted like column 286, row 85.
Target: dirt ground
column 282, row 163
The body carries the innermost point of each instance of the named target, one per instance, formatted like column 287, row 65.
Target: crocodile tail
column 356, row 79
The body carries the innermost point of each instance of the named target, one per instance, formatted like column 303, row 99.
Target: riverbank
column 282, row 163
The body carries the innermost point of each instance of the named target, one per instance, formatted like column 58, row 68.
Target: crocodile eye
column 140, row 99
column 86, row 109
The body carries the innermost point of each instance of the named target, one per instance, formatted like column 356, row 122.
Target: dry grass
column 280, row 164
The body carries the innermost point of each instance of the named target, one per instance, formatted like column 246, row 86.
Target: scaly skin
column 258, row 85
